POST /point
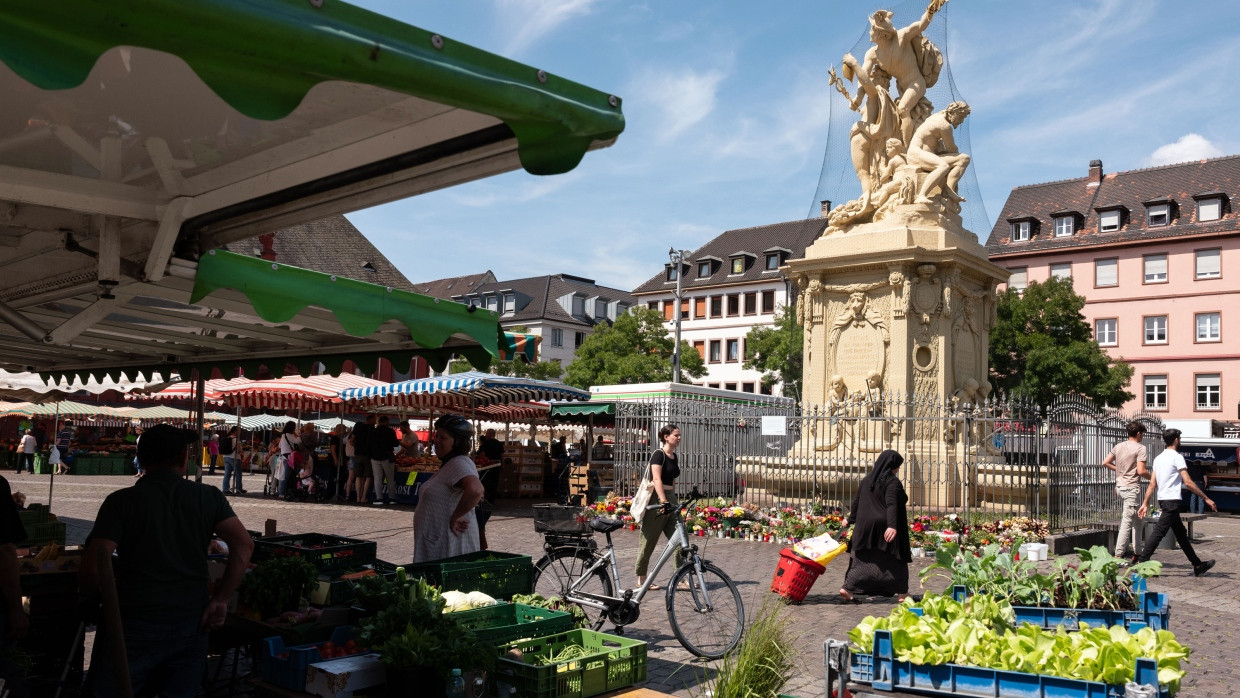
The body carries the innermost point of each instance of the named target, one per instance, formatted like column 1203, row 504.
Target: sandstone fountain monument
column 897, row 297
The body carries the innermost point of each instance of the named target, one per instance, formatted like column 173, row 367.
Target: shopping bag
column 821, row 549
column 641, row 498
column 53, row 457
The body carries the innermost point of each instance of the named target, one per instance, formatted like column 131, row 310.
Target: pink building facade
column 1156, row 254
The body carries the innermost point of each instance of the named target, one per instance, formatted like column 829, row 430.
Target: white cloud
column 510, row 190
column 533, row 19
column 681, row 99
column 1191, row 146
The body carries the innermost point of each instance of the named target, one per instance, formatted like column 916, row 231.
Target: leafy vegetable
column 556, row 603
column 980, row 632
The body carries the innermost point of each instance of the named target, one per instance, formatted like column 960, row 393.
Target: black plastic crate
column 326, row 553
column 496, row 574
column 554, row 518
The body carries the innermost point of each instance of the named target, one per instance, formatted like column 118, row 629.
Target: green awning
column 598, row 413
column 263, row 57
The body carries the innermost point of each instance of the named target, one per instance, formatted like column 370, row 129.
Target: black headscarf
column 884, row 469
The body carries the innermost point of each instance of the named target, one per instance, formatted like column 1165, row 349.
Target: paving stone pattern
column 1205, row 612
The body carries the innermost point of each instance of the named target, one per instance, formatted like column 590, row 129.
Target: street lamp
column 678, row 258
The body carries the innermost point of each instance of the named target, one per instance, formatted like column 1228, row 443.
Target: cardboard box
column 339, row 678
column 528, row 459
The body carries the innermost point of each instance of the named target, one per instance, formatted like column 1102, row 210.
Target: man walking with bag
column 1170, row 474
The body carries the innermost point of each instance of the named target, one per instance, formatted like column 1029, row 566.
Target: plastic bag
column 821, row 549
column 53, row 457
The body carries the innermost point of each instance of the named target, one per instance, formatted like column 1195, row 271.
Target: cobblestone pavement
column 1205, row 611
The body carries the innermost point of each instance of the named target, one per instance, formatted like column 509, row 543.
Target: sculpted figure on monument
column 835, row 409
column 934, row 150
column 909, row 57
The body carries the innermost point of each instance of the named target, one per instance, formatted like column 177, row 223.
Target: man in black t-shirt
column 159, row 530
column 383, row 443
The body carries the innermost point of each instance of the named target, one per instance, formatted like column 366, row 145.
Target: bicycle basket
column 554, row 518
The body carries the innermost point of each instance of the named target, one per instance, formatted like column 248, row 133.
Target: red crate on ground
column 795, row 575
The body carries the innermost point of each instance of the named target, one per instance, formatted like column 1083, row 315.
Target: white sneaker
column 378, row 502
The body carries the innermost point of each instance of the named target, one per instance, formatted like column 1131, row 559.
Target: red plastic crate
column 795, row 575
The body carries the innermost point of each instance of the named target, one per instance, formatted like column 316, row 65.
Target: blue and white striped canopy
column 471, row 389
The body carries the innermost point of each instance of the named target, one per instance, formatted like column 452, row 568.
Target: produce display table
column 407, row 491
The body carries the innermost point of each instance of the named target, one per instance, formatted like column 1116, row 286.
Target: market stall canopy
column 461, row 391
column 315, row 393
column 526, row 412
column 31, row 387
column 185, row 391
column 137, row 137
column 592, row 412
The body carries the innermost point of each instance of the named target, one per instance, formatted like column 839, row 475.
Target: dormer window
column 1209, row 209
column 1108, row 221
column 1065, row 226
column 772, row 261
column 492, row 302
column 1022, row 231
column 1157, row 215
column 738, row 265
column 703, row 269
column 474, row 301
column 510, row 302
column 671, row 272
column 579, row 306
column 600, row 308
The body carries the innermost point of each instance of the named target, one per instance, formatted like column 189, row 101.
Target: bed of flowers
column 722, row 518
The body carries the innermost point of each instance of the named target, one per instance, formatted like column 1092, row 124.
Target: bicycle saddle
column 604, row 524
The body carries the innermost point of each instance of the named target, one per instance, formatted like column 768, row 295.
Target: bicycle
column 703, row 604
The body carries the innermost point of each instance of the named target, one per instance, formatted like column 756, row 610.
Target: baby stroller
column 307, row 486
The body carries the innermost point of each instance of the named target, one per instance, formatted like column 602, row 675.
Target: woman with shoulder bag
column 664, row 468
column 289, row 442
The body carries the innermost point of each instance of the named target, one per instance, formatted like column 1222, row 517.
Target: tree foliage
column 778, row 352
column 1041, row 347
column 636, row 349
column 541, row 370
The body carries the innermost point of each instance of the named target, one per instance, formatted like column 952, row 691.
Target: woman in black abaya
column 879, row 551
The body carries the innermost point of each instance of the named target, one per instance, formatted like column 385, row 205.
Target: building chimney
column 1095, row 173
column 268, row 252
column 826, row 207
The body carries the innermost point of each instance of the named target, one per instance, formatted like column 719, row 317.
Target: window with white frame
column 579, row 306
column 492, row 302
column 1209, row 391
column 579, row 338
column 1209, row 265
column 716, row 353
column 510, row 302
column 1155, row 391
column 1018, row 279
column 1061, row 271
column 1156, row 329
column 772, row 262
column 1022, row 231
column 738, row 265
column 475, row 302
column 1108, row 221
column 1106, row 332
column 1064, row 226
column 1208, row 327
column 734, row 350
column 557, row 337
column 1157, row 215
column 1106, row 272
column 1155, row 268
column 600, row 308
column 1209, row 210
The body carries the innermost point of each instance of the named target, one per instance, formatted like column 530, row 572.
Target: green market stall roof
column 591, row 412
column 136, row 137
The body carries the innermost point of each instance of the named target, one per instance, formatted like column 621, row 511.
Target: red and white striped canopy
column 185, row 390
column 316, row 393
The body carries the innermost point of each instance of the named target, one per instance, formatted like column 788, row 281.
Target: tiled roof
column 536, row 298
column 794, row 236
column 329, row 245
column 1131, row 190
column 454, row 286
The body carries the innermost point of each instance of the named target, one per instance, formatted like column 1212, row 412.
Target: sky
column 727, row 108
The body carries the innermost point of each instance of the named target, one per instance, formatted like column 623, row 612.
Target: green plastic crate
column 326, row 553
column 119, row 465
column 33, row 514
column 41, row 466
column 496, row 574
column 611, row 662
column 42, row 533
column 506, row 622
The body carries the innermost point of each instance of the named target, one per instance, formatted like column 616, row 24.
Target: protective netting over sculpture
column 843, row 178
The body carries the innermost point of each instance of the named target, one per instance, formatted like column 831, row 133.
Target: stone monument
column 896, row 297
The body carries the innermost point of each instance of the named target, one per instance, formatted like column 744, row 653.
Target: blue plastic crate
column 884, row 673
column 1153, row 610
column 290, row 672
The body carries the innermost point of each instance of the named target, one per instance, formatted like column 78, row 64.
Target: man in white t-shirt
column 1170, row 474
column 25, row 452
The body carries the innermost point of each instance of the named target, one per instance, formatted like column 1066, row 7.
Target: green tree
column 636, row 349
column 1041, row 347
column 540, row 370
column 778, row 352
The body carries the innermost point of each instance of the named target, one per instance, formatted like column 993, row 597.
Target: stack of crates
column 592, row 481
column 524, row 471
column 40, row 528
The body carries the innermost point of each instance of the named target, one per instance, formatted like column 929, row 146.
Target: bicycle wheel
column 556, row 571
column 707, row 630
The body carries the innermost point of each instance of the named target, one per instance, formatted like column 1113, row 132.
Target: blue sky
column 727, row 107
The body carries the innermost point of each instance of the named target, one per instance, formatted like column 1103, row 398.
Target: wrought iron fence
column 1004, row 458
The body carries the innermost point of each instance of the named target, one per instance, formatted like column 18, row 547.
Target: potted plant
column 418, row 643
column 277, row 585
